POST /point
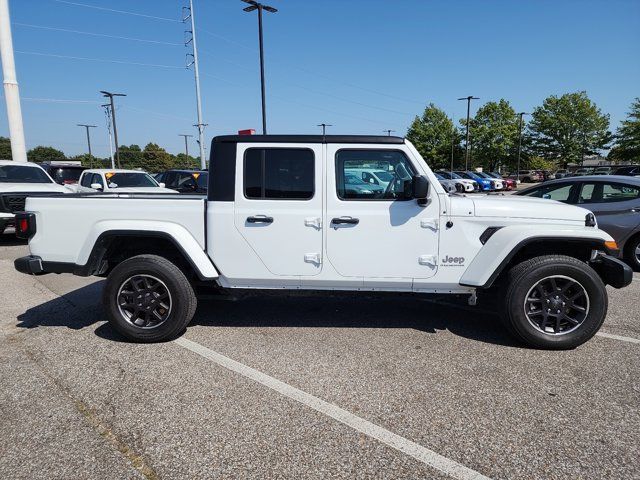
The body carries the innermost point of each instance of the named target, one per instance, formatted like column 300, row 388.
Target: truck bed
column 73, row 222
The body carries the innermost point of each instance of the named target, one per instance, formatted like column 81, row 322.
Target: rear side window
column 279, row 173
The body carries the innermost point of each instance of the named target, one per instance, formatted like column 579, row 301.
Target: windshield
column 130, row 179
column 66, row 175
column 22, row 174
column 482, row 174
column 438, row 176
column 203, row 180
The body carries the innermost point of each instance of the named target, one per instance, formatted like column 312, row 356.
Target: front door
column 373, row 231
column 278, row 206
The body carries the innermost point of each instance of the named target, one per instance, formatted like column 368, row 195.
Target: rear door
column 278, row 206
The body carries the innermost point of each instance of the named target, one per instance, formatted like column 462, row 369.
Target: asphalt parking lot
column 307, row 387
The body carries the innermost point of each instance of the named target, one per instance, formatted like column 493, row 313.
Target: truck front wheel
column 149, row 299
column 554, row 302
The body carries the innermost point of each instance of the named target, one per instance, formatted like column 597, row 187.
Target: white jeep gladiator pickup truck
column 282, row 213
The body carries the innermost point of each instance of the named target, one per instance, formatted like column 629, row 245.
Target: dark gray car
column 614, row 199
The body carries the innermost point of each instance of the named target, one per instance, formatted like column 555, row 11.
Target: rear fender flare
column 180, row 237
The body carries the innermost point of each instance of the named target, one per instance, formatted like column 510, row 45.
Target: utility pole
column 466, row 146
column 11, row 90
column 88, row 141
column 324, row 127
column 186, row 144
column 196, row 74
column 107, row 114
column 113, row 119
column 388, row 132
column 520, row 115
column 253, row 5
column 453, row 139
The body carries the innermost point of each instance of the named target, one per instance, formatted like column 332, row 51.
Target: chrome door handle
column 345, row 220
column 260, row 219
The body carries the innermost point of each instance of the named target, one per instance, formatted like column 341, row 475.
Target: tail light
column 25, row 224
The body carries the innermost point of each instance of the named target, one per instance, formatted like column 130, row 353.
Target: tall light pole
column 520, row 115
column 186, row 143
column 11, row 91
column 88, row 141
column 110, row 96
column 466, row 146
column 196, row 73
column 253, row 5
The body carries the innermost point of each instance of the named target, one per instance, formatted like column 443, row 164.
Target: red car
column 509, row 184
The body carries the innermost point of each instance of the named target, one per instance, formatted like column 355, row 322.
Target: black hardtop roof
column 385, row 139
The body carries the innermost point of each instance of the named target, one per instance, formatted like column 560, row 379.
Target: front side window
column 392, row 168
column 86, row 180
column 279, row 173
column 561, row 193
column 22, row 174
column 97, row 178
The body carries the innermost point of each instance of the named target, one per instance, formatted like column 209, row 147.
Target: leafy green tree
column 44, row 154
column 494, row 135
column 5, row 149
column 130, row 156
column 432, row 135
column 627, row 147
column 182, row 161
column 156, row 159
column 565, row 128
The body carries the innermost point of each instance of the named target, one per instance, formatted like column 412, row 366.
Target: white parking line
column 420, row 453
column 618, row 337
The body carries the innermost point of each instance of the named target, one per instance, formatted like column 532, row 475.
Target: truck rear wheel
column 554, row 302
column 149, row 299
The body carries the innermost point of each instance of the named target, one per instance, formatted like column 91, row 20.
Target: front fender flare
column 503, row 246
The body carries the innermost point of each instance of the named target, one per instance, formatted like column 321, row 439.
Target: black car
column 629, row 170
column 64, row 173
column 184, row 181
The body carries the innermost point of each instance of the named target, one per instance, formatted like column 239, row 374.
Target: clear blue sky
column 363, row 66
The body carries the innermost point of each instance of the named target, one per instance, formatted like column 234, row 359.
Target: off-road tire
column 524, row 276
column 630, row 253
column 183, row 299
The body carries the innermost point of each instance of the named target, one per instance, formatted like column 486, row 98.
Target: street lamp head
column 109, row 94
column 253, row 5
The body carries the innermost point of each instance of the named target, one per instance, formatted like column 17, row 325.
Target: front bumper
column 613, row 272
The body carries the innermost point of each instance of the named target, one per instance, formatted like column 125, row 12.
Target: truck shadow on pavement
column 82, row 308
column 77, row 309
column 355, row 311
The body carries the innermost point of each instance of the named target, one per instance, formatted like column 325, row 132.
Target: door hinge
column 312, row 258
column 428, row 260
column 432, row 223
column 315, row 222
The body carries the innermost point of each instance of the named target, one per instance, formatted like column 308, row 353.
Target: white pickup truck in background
column 17, row 180
column 281, row 213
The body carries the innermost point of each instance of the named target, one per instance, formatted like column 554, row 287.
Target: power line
column 315, row 74
column 121, row 62
column 57, row 29
column 77, row 4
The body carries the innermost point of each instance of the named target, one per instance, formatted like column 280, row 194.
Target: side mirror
column 546, row 196
column 96, row 186
column 420, row 187
column 161, row 185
